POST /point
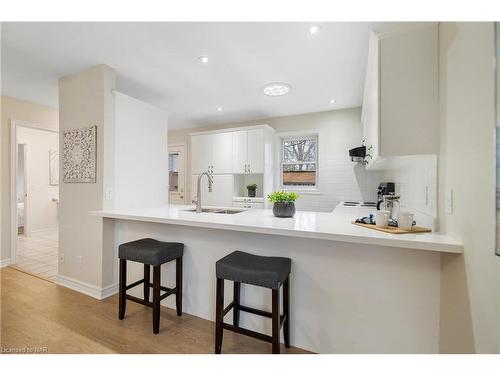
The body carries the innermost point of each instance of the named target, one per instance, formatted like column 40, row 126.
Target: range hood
column 358, row 154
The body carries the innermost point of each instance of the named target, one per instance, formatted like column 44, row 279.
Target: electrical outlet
column 61, row 258
column 449, row 201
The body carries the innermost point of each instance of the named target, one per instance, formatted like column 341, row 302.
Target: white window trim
column 284, row 136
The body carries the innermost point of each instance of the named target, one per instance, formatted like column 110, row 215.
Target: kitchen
column 358, row 185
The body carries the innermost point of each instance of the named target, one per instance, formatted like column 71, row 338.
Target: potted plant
column 283, row 203
column 251, row 190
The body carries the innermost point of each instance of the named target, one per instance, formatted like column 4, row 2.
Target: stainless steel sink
column 216, row 211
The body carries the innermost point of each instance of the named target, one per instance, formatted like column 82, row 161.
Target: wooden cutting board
column 395, row 230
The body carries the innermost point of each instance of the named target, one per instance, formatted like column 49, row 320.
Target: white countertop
column 333, row 226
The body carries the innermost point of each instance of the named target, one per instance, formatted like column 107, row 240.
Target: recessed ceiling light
column 332, row 101
column 219, row 109
column 314, row 29
column 203, row 59
column 276, row 89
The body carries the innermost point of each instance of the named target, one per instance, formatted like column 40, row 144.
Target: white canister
column 382, row 218
column 405, row 220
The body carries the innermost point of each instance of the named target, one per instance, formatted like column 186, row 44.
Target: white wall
column 339, row 178
column 42, row 210
column 141, row 154
column 85, row 99
column 470, row 307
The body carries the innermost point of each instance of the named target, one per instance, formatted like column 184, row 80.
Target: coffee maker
column 385, row 188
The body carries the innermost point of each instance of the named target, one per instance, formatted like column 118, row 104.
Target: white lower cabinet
column 222, row 190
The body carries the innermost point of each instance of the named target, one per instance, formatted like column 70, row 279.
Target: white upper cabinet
column 240, row 147
column 400, row 107
column 255, row 152
column 201, row 153
column 248, row 151
column 212, row 153
column 221, row 194
column 222, row 153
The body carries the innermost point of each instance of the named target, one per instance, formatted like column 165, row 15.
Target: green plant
column 252, row 187
column 282, row 196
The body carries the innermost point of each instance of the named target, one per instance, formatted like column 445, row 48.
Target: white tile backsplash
column 340, row 180
column 415, row 178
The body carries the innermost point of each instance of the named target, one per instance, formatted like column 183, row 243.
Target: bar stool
column 154, row 253
column 267, row 272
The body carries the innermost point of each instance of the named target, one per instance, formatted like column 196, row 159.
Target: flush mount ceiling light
column 332, row 101
column 203, row 59
column 314, row 29
column 219, row 109
column 276, row 89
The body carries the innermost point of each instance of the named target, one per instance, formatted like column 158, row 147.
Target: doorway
column 34, row 199
column 177, row 173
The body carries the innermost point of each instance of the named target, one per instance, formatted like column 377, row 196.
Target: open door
column 177, row 173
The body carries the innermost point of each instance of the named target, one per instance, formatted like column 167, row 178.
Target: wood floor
column 38, row 313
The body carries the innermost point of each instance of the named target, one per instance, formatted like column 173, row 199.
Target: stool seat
column 268, row 272
column 150, row 251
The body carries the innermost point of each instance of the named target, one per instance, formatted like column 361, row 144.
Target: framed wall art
column 79, row 156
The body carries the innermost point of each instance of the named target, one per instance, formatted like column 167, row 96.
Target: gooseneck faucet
column 198, row 190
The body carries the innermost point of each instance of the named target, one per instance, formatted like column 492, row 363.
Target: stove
column 359, row 204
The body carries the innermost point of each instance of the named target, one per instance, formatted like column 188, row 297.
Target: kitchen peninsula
column 350, row 286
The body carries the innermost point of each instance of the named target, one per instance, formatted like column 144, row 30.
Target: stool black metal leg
column 156, row 299
column 276, row 321
column 286, row 312
column 236, row 299
column 219, row 316
column 122, row 289
column 178, row 285
column 147, row 280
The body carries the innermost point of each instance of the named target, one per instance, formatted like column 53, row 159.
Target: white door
column 177, row 173
column 222, row 191
column 240, row 147
column 201, row 153
column 222, row 153
column 255, row 151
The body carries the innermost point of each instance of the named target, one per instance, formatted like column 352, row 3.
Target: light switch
column 109, row 194
column 449, row 202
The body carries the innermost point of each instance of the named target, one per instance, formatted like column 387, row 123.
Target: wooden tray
column 395, row 230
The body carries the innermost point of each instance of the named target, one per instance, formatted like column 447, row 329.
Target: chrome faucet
column 198, row 190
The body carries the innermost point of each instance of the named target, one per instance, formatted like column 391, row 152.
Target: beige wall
column 469, row 283
column 86, row 99
column 339, row 178
column 35, row 114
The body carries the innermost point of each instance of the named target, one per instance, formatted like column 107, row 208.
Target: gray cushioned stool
column 154, row 253
column 267, row 272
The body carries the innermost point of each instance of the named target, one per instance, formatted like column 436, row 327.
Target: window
column 299, row 162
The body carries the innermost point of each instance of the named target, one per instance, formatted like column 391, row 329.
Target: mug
column 382, row 218
column 405, row 220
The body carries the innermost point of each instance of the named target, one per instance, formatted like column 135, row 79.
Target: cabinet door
column 255, row 151
column 240, row 151
column 222, row 191
column 222, row 153
column 201, row 153
column 371, row 101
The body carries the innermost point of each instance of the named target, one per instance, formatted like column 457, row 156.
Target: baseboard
column 4, row 262
column 86, row 288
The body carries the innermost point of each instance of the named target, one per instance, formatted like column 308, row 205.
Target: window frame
column 293, row 136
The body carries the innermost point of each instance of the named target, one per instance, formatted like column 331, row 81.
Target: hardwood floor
column 37, row 313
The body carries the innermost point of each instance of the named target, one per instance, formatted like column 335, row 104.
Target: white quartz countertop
column 333, row 226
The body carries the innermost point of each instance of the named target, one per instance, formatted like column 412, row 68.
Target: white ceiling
column 158, row 63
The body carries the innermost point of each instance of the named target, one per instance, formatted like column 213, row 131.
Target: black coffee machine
column 385, row 188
